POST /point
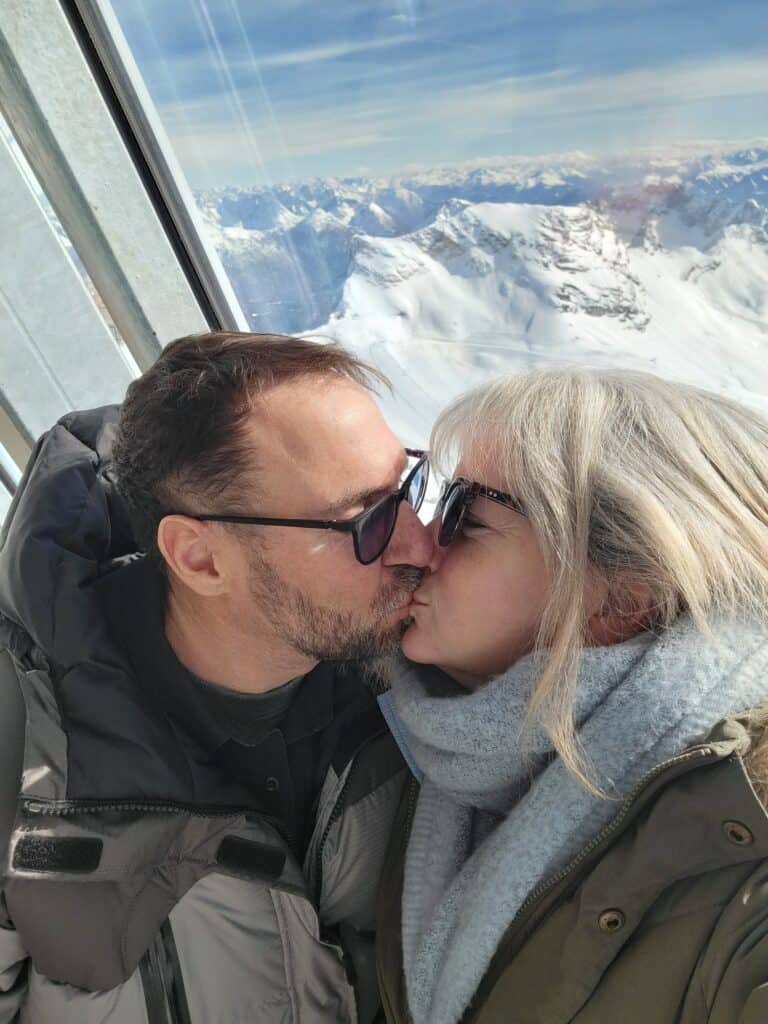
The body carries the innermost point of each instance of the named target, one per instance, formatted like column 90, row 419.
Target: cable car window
column 455, row 189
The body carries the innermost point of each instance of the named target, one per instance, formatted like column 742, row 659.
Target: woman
column 589, row 843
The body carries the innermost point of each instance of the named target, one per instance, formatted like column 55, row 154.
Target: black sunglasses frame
column 356, row 525
column 465, row 491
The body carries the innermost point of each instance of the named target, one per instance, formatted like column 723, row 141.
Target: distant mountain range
column 658, row 259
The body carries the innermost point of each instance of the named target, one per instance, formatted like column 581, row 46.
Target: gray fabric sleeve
column 13, row 718
column 13, row 957
column 13, row 974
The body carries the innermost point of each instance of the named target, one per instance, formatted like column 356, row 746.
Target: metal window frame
column 114, row 68
column 74, row 102
column 15, row 439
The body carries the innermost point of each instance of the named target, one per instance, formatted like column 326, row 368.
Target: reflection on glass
column 10, row 475
column 369, row 171
column 5, row 502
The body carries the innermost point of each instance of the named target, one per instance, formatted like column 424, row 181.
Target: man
column 204, row 793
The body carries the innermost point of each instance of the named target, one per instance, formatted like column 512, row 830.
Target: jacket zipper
column 332, row 819
column 410, row 808
column 62, row 808
column 155, row 996
column 152, row 975
column 607, row 832
column 526, row 910
column 164, row 990
column 175, row 990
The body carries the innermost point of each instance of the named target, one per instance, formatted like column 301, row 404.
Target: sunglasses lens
column 452, row 513
column 376, row 530
column 417, row 487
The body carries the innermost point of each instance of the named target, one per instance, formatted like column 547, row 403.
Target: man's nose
column 411, row 542
column 438, row 552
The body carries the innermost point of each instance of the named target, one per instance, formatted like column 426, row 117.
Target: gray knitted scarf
column 498, row 813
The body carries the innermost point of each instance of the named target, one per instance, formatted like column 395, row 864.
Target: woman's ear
column 624, row 608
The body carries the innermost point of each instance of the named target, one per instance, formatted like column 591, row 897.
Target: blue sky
column 254, row 92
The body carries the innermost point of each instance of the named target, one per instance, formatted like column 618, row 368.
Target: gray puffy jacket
column 124, row 898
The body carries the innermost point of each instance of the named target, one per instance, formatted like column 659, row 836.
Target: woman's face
column 479, row 608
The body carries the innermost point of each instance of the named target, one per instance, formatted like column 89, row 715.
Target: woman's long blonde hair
column 630, row 477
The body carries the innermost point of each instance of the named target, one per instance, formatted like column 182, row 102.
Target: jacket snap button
column 611, row 920
column 738, row 833
column 272, row 784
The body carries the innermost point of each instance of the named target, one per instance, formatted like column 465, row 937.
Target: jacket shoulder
column 733, row 970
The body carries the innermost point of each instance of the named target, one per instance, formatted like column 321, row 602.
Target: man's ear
column 622, row 609
column 190, row 549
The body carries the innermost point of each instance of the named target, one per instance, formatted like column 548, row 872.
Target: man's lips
column 404, row 604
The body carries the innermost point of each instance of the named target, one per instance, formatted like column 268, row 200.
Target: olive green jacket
column 661, row 919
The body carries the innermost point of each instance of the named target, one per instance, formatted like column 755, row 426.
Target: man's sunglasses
column 455, row 501
column 372, row 529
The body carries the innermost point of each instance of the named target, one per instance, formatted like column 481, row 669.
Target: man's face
column 323, row 451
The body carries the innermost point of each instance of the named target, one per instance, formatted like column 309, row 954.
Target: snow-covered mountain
column 657, row 260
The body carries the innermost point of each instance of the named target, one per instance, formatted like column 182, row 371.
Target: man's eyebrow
column 358, row 497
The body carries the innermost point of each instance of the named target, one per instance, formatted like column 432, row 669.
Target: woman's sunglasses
column 372, row 529
column 455, row 501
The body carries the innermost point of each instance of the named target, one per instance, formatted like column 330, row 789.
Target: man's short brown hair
column 180, row 438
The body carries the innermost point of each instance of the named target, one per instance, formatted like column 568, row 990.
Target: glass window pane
column 371, row 172
column 58, row 349
column 10, row 474
column 5, row 502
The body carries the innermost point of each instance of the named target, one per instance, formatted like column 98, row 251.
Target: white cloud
column 219, row 147
column 482, row 109
column 313, row 54
column 479, row 111
column 190, row 67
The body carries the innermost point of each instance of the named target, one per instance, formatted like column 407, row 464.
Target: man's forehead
column 303, row 417
column 324, row 438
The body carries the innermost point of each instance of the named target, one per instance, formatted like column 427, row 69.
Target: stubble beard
column 327, row 634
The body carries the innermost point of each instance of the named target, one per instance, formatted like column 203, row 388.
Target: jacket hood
column 66, row 525
column 94, row 729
